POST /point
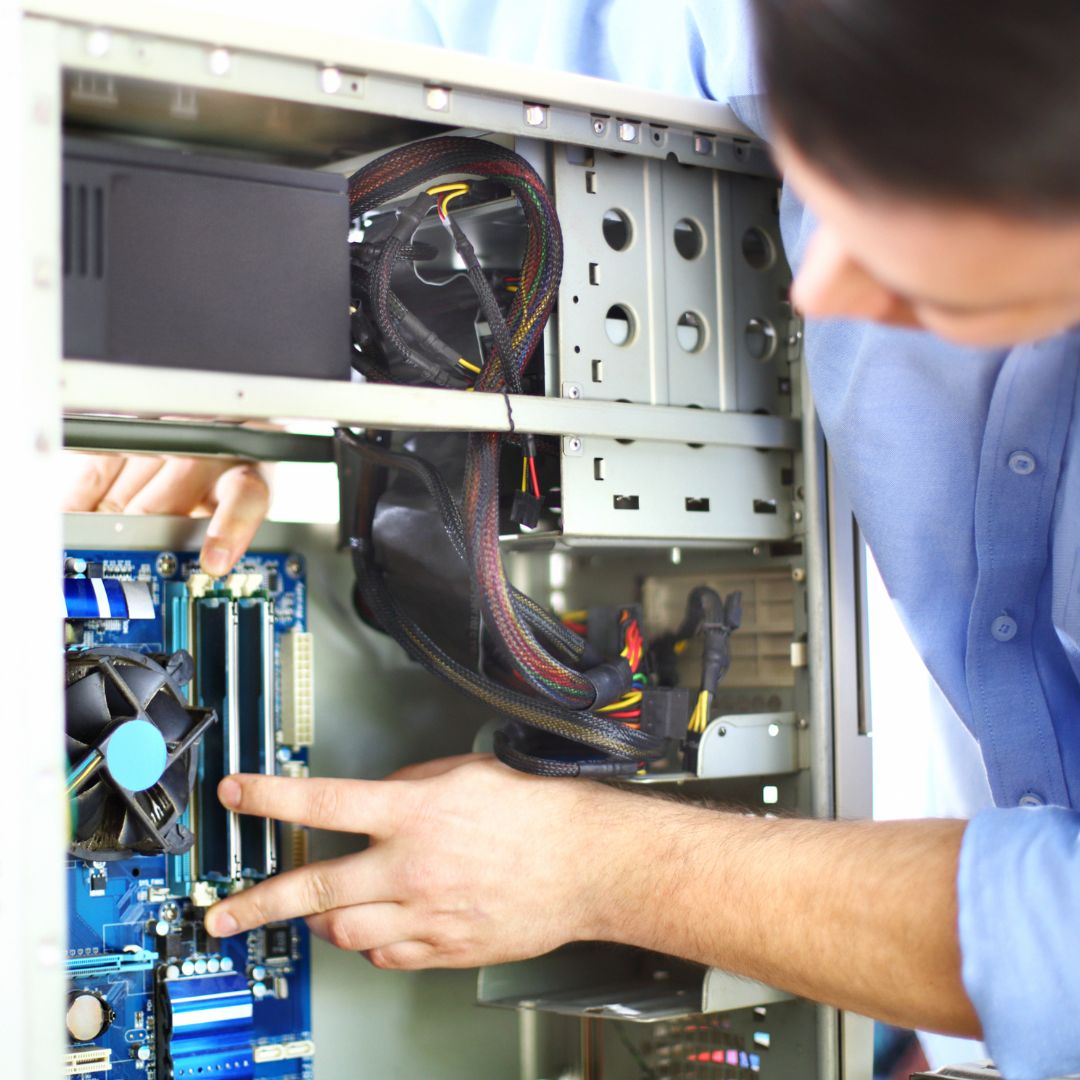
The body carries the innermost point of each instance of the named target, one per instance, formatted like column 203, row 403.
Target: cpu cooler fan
column 132, row 747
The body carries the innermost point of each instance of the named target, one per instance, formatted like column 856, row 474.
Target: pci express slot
column 255, row 714
column 216, row 648
column 102, row 964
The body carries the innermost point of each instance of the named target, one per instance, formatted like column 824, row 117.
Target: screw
column 572, row 390
column 803, row 723
column 166, row 564
column 573, row 444
column 798, row 574
column 756, row 549
column 535, row 115
column 800, row 493
column 294, row 566
column 599, row 127
column 798, row 515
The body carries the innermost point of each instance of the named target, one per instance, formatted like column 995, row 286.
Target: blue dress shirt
column 963, row 467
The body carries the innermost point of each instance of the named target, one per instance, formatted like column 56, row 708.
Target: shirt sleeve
column 1019, row 922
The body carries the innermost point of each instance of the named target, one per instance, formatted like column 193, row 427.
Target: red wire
column 532, row 473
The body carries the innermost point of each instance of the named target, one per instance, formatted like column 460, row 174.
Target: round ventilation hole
column 617, row 231
column 689, row 239
column 690, row 332
column 619, row 325
column 760, row 338
column 758, row 249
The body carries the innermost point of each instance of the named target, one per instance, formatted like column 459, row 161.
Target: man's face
column 976, row 277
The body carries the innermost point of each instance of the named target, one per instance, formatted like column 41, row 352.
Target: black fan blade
column 87, row 709
column 89, row 808
column 143, row 681
column 178, row 780
column 169, row 717
column 74, row 749
column 134, row 832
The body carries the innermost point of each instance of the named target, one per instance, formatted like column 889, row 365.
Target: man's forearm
column 861, row 915
column 471, row 863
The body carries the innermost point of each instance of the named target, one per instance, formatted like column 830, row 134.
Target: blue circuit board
column 237, row 1007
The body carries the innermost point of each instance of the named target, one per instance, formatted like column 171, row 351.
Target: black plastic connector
column 526, row 509
column 665, row 711
column 610, row 680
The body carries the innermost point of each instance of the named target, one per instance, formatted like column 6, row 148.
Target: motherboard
column 175, row 679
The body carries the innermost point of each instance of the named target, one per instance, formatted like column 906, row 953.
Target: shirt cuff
column 1018, row 894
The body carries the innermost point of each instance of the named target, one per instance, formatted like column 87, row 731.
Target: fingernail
column 217, row 559
column 222, row 924
column 229, row 792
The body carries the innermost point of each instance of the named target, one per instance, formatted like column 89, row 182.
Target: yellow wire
column 468, row 367
column 625, row 702
column 680, row 646
column 525, row 475
column 575, row 616
column 440, row 189
column 699, row 719
column 447, row 199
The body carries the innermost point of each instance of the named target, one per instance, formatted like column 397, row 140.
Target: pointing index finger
column 371, row 807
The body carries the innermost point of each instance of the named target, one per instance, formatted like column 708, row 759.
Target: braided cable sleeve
column 392, row 176
column 537, row 668
column 542, row 621
column 504, row 341
column 606, row 736
column 509, row 754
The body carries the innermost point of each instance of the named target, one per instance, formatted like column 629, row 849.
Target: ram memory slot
column 216, row 674
column 178, row 606
column 255, row 716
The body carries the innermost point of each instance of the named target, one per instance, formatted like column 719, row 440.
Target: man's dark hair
column 972, row 101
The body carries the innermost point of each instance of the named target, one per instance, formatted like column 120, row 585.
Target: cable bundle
column 622, row 748
column 716, row 618
column 516, row 334
column 397, row 173
column 597, row 708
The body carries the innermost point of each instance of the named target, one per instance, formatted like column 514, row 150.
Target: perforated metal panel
column 675, row 287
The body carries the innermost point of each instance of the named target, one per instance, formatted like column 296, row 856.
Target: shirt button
column 1031, row 799
column 1022, row 463
column 1003, row 628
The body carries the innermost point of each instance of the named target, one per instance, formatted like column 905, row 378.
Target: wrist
column 637, row 866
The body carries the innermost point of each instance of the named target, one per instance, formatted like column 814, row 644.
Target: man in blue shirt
column 936, row 148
